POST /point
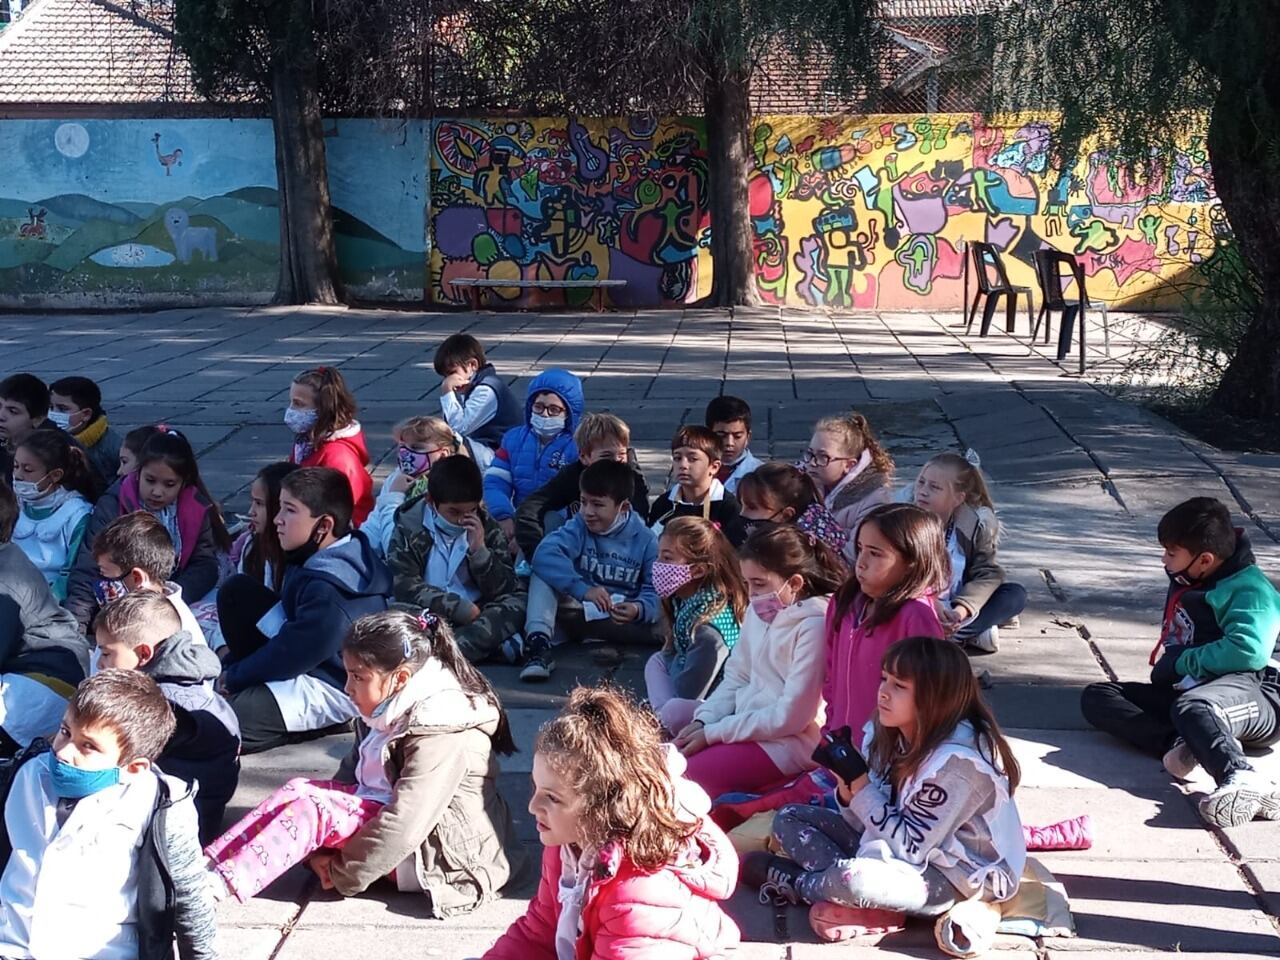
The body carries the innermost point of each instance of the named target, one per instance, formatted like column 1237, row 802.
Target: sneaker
column 988, row 641
column 775, row 876
column 512, row 649
column 537, row 668
column 1244, row 795
column 833, row 922
column 1180, row 761
column 1013, row 623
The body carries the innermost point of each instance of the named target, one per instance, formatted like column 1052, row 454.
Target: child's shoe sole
column 536, row 671
column 834, row 923
column 1233, row 807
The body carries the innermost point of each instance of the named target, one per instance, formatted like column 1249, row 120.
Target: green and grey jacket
column 490, row 567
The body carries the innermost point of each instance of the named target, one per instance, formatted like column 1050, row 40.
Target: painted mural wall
column 563, row 199
column 873, row 211
column 122, row 212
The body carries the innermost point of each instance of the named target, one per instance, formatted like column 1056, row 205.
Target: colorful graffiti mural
column 565, row 199
column 873, row 212
column 117, row 212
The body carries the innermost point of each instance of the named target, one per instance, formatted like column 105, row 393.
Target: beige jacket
column 976, row 534
column 446, row 818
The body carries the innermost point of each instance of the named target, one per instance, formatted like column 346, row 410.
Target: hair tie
column 971, row 455
column 428, row 622
column 322, row 370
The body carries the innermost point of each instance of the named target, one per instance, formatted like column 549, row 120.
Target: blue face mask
column 74, row 783
column 448, row 528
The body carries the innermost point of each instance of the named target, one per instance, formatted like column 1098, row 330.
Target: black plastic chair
column 1053, row 296
column 993, row 283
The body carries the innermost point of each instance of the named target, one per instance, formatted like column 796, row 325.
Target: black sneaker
column 775, row 876
column 537, row 668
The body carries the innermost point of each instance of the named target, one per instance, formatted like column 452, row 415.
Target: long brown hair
column 946, row 693
column 855, row 434
column 265, row 547
column 335, row 404
column 788, row 551
column 778, row 486
column 173, row 449
column 700, row 542
column 610, row 753
column 916, row 536
column 56, row 451
column 969, row 479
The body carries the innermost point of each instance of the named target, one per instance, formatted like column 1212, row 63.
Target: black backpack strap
column 156, row 894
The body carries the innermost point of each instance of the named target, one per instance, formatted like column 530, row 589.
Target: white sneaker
column 1180, row 761
column 1242, row 797
column 988, row 641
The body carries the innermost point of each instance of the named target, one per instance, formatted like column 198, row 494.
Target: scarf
column 169, row 517
column 48, row 505
column 575, row 880
column 91, row 434
column 693, row 611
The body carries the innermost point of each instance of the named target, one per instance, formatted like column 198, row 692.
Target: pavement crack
column 1235, row 492
column 307, row 892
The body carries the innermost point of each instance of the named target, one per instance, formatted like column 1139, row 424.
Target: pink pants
column 733, row 767
column 300, row 818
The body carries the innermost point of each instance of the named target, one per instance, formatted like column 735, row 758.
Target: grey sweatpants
column 826, row 847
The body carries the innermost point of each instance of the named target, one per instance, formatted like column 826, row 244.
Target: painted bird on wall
column 167, row 160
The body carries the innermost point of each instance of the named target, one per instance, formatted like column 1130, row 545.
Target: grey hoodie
column 36, row 635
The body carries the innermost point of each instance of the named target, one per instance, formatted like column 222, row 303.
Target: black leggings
column 242, row 602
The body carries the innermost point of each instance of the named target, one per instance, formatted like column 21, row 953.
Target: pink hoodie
column 670, row 914
column 854, row 652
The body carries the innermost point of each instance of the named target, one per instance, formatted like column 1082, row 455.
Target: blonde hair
column 855, row 435
column 597, row 429
column 610, row 753
column 420, row 429
column 969, row 479
column 700, row 541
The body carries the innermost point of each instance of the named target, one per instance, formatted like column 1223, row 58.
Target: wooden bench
column 475, row 283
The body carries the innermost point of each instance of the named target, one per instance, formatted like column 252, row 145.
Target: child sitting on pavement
column 284, row 673
column 852, row 470
column 600, row 564
column 322, row 416
column 600, row 436
column 142, row 632
column 75, row 405
column 475, row 402
column 24, row 407
column 43, row 653
column 421, row 442
column 776, row 493
column 1215, row 677
column 102, row 856
column 729, row 418
column 696, row 455
column 532, row 454
column 449, row 557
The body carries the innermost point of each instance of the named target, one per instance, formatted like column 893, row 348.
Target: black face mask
column 752, row 526
column 300, row 555
column 1182, row 578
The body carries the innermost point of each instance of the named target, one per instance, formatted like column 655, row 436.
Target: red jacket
column 671, row 914
column 347, row 454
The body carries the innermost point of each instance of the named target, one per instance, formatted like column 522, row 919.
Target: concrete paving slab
column 1089, row 759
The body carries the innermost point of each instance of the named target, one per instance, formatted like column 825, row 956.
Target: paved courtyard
column 1080, row 479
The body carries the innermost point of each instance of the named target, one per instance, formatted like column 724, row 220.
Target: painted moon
column 71, row 139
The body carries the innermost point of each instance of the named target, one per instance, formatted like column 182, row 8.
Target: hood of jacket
column 352, row 435
column 181, row 660
column 352, row 566
column 564, row 385
column 433, row 701
column 790, row 617
column 630, row 538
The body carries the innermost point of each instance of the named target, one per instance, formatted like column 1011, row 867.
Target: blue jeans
column 1009, row 600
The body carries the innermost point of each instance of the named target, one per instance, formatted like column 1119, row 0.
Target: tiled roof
column 94, row 51
column 931, row 9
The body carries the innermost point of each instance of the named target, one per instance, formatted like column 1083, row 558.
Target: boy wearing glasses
column 532, row 454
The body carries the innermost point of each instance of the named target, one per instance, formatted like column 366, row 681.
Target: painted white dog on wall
column 187, row 239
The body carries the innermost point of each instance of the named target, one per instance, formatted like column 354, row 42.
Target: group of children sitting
column 806, row 617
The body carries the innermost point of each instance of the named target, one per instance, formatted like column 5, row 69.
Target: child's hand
column 845, row 790
column 466, row 613
column 454, row 381
column 320, row 862
column 600, row 597
column 691, row 739
column 401, row 483
column 625, row 612
column 475, row 531
column 509, row 528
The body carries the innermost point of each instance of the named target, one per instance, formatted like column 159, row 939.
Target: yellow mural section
column 874, row 211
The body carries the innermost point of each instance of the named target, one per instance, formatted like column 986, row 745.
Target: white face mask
column 546, row 427
column 28, row 491
column 299, row 421
column 60, row 419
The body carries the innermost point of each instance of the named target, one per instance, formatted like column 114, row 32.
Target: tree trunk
column 727, row 103
column 1244, row 134
column 308, row 258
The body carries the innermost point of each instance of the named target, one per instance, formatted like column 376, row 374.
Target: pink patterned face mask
column 670, row 577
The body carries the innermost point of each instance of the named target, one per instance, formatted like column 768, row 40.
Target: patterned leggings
column 300, row 818
column 824, row 844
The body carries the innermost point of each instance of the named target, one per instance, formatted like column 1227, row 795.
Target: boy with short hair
column 600, row 436
column 1215, row 679
column 43, row 653
column 729, row 418
column 24, row 408
column 135, row 552
column 284, row 674
column 474, row 400
column 102, row 857
column 142, row 632
column 600, row 563
column 449, row 557
column 532, row 454
column 696, row 456
column 75, row 405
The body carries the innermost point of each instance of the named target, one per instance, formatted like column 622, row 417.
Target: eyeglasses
column 546, row 410
column 821, row 460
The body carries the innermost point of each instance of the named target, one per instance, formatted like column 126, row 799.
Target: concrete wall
column 848, row 212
